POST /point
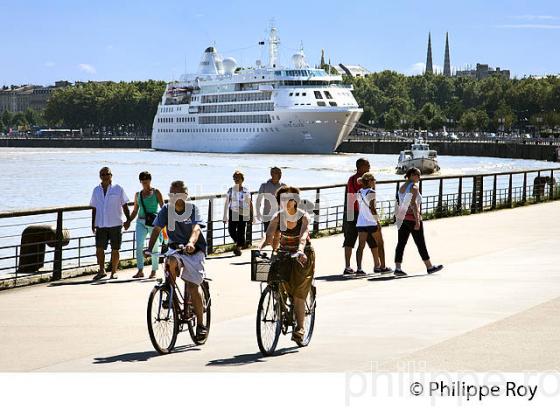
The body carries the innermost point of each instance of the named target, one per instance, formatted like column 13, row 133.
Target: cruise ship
column 266, row 109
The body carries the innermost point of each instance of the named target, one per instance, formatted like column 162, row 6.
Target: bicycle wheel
column 192, row 322
column 309, row 321
column 269, row 323
column 163, row 321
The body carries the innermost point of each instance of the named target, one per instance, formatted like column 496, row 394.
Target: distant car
column 527, row 136
column 492, row 135
column 453, row 137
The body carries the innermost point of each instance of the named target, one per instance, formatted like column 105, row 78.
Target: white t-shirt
column 365, row 216
column 108, row 207
column 240, row 200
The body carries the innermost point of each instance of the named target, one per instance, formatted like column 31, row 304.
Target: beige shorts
column 192, row 265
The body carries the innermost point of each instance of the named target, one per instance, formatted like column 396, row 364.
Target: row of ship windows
column 169, row 109
column 318, row 95
column 209, row 109
column 180, row 119
column 235, row 119
column 219, row 130
column 219, row 98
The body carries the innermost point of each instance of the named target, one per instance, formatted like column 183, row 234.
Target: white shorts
column 192, row 265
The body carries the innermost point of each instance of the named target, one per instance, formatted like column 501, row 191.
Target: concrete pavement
column 491, row 308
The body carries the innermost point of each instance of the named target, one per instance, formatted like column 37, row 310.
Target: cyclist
column 296, row 257
column 184, row 229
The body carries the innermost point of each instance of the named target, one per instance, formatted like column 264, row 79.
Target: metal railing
column 442, row 196
column 378, row 137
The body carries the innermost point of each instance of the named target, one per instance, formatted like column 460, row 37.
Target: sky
column 45, row 41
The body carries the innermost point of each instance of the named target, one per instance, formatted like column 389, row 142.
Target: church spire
column 322, row 58
column 429, row 68
column 447, row 61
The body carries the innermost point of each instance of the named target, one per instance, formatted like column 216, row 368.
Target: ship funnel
column 211, row 62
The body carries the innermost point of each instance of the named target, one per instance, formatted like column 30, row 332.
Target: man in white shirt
column 109, row 202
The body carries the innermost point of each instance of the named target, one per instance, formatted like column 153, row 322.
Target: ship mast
column 273, row 43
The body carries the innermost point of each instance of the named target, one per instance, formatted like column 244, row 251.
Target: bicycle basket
column 259, row 268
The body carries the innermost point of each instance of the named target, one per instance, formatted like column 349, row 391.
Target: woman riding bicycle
column 296, row 258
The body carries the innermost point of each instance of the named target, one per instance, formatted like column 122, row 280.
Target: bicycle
column 275, row 312
column 170, row 309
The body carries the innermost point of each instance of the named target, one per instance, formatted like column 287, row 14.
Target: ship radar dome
column 298, row 60
column 230, row 65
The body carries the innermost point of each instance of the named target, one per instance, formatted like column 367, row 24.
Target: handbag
column 149, row 217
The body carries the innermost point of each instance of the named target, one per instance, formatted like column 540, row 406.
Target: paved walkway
column 493, row 307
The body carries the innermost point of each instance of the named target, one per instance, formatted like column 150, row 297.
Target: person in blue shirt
column 184, row 227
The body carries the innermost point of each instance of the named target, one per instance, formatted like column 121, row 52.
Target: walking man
column 269, row 187
column 109, row 202
column 351, row 214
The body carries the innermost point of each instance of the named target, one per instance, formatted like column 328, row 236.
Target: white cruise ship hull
column 297, row 132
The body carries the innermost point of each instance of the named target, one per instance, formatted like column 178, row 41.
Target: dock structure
column 493, row 308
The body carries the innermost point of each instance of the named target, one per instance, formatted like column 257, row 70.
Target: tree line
column 106, row 106
column 390, row 100
column 394, row 101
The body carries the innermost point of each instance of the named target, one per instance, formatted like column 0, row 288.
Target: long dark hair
column 412, row 171
column 286, row 190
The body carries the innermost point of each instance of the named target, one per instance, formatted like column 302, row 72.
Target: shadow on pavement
column 240, row 263
column 221, row 257
column 99, row 282
column 140, row 356
column 339, row 278
column 242, row 359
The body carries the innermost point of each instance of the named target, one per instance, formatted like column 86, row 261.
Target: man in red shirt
column 351, row 215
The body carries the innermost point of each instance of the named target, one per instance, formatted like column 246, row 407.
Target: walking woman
column 147, row 202
column 296, row 257
column 409, row 222
column 238, row 211
column 369, row 229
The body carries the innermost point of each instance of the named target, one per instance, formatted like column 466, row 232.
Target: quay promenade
column 493, row 308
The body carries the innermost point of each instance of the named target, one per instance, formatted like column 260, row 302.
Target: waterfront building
column 31, row 96
column 482, row 71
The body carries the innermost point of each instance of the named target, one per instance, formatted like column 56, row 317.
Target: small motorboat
column 418, row 156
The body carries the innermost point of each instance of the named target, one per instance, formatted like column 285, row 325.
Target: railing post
column 494, row 188
column 460, row 196
column 439, row 210
column 79, row 252
column 57, row 264
column 524, row 199
column 249, row 230
column 510, row 190
column 316, row 211
column 477, row 204
column 551, row 185
column 210, row 228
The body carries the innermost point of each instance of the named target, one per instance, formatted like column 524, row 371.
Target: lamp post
column 539, row 122
column 403, row 127
column 371, row 123
column 501, row 127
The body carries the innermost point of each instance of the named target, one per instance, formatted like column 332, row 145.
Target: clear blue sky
column 44, row 41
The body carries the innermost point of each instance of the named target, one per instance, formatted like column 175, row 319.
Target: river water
column 41, row 177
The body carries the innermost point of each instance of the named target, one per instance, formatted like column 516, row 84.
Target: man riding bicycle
column 187, row 246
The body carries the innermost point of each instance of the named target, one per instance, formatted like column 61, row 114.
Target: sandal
column 298, row 334
column 360, row 272
column 114, row 276
column 99, row 276
column 348, row 271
